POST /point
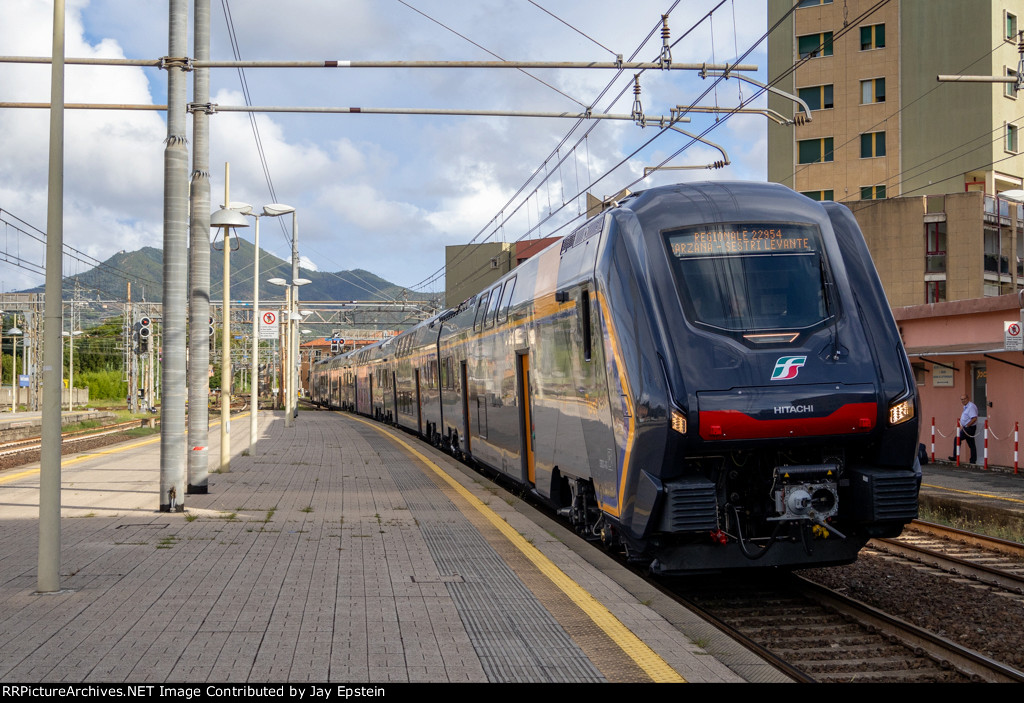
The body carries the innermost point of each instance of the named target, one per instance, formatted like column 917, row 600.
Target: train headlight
column 901, row 412
column 678, row 422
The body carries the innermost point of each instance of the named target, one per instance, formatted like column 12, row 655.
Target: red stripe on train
column 854, row 418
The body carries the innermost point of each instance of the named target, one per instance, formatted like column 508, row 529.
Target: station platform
column 974, row 493
column 340, row 551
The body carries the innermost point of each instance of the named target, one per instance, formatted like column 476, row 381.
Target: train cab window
column 481, row 308
column 746, row 277
column 506, row 299
column 492, row 311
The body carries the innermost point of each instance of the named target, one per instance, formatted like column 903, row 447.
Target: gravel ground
column 984, row 619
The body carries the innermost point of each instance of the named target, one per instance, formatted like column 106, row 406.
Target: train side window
column 492, row 311
column 481, row 307
column 506, row 299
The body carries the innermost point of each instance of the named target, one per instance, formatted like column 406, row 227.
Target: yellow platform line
column 974, row 493
column 635, row 648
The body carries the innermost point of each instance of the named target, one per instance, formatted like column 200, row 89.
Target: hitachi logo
column 790, row 409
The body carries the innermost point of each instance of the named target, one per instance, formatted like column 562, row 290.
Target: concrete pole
column 14, row 368
column 286, row 365
column 225, row 351
column 254, row 388
column 49, row 469
column 199, row 267
column 172, row 406
column 293, row 322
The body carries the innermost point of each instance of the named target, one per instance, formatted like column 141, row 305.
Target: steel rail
column 974, row 664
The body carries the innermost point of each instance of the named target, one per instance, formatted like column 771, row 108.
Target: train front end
column 790, row 411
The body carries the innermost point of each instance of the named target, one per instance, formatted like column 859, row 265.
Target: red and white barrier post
column 985, row 463
column 958, row 442
column 933, row 439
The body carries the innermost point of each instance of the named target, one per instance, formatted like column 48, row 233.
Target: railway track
column 994, row 562
column 20, row 451
column 814, row 634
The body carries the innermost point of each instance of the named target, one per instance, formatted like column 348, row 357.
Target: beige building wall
column 470, row 268
column 940, row 138
column 895, row 235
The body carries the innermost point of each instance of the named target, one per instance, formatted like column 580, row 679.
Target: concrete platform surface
column 336, row 553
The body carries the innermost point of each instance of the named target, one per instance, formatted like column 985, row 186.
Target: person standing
column 968, row 427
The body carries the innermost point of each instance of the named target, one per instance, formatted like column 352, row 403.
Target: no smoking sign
column 1013, row 341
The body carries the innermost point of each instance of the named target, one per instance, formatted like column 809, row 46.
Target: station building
column 921, row 164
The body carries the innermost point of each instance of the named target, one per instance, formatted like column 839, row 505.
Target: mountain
column 144, row 269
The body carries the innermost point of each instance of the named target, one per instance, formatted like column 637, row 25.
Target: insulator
column 666, row 51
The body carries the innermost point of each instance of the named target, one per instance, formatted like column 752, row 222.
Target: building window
column 935, row 247
column 813, row 3
column 872, row 91
column 872, row 37
column 1011, row 138
column 812, row 46
column 1011, row 27
column 819, row 195
column 813, row 151
column 872, row 144
column 995, row 262
column 1010, row 90
column 872, row 192
column 818, row 97
column 934, row 291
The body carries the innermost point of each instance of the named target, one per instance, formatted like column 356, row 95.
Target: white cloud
column 384, row 193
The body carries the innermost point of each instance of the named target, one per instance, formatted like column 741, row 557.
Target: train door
column 525, row 416
column 419, row 404
column 464, row 375
column 394, row 397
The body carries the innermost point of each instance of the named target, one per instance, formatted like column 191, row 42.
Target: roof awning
column 955, row 350
column 930, row 353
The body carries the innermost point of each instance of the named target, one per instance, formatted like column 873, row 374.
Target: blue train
column 706, row 376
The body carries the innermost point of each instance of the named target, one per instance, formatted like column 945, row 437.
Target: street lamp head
column 277, row 281
column 300, row 281
column 276, row 209
column 227, row 217
column 244, row 208
column 1015, row 195
column 14, row 331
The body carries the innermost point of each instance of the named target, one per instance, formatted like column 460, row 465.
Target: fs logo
column 788, row 367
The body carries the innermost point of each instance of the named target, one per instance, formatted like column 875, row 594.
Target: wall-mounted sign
column 1012, row 338
column 942, row 377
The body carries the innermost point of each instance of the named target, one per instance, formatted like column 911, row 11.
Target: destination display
column 740, row 239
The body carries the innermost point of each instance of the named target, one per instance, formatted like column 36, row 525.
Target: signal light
column 145, row 331
column 211, row 326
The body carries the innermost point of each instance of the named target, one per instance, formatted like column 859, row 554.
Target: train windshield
column 748, row 277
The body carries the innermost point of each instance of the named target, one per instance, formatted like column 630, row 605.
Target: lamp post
column 275, row 210
column 71, row 365
column 224, row 219
column 13, row 333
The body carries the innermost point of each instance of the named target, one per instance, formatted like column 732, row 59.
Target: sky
column 384, row 193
